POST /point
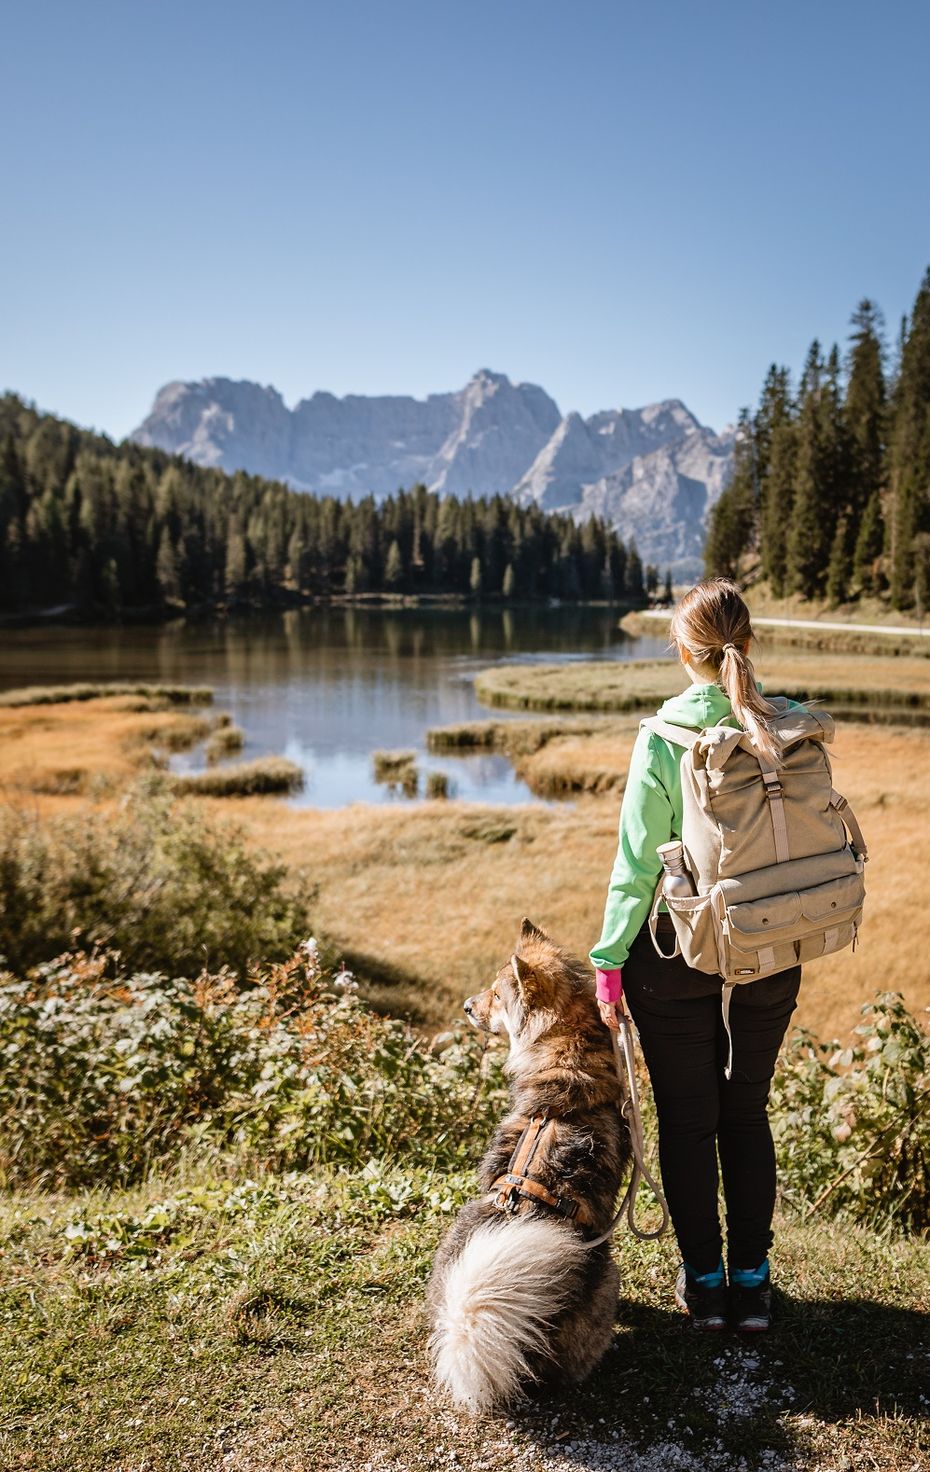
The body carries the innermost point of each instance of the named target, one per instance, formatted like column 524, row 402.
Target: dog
column 517, row 1296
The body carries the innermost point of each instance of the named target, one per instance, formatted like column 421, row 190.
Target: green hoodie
column 650, row 814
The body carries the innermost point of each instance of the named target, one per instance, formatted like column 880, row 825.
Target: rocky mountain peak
column 653, row 472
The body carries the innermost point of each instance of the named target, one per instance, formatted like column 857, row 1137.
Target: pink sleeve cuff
column 609, row 985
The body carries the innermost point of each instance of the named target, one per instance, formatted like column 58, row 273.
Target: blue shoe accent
column 714, row 1279
column 749, row 1277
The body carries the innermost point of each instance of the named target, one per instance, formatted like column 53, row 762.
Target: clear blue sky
column 620, row 202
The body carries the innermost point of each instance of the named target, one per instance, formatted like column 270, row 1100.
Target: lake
column 328, row 686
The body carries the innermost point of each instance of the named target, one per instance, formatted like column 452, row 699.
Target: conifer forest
column 830, row 493
column 108, row 529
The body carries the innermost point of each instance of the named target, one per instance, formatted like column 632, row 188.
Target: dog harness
column 516, row 1185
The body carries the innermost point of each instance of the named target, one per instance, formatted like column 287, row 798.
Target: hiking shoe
column 706, row 1306
column 751, row 1308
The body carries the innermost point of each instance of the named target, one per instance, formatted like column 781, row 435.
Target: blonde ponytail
column 712, row 623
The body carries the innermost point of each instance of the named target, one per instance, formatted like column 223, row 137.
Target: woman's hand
column 608, row 1011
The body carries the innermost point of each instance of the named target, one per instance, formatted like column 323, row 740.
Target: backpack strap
column 839, row 803
column 775, row 794
column 677, row 735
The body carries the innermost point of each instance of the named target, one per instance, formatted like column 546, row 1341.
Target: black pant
column 678, row 1016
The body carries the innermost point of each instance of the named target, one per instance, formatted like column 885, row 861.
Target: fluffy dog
column 516, row 1295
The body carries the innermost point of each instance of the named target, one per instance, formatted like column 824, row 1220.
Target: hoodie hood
column 699, row 706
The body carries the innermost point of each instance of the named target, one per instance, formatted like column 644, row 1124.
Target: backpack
column 776, row 880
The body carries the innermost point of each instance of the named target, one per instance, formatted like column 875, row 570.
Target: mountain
column 653, row 473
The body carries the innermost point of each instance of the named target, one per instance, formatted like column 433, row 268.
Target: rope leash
column 624, row 1047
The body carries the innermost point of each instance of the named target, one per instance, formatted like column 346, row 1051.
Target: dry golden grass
column 66, row 747
column 589, row 685
column 557, row 757
column 852, row 639
column 426, row 899
column 429, row 899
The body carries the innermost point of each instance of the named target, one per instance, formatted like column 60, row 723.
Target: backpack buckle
column 773, row 789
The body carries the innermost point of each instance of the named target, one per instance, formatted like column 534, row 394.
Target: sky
column 620, row 202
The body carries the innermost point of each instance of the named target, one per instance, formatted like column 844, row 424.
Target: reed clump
column 388, row 766
column 437, row 785
column 555, row 758
column 397, row 770
column 60, row 694
column 224, row 741
column 265, row 775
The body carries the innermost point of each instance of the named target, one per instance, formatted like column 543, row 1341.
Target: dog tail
column 496, row 1306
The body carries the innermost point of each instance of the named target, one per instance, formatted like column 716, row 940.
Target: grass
column 93, row 744
column 206, row 1320
column 89, row 744
column 556, row 758
column 225, row 741
column 899, row 685
column 267, row 774
column 60, row 694
column 426, row 900
column 849, row 640
column 388, row 766
column 397, row 770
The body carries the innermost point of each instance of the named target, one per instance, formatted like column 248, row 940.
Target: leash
column 624, row 1047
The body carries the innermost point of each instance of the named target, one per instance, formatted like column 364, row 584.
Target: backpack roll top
column 776, row 878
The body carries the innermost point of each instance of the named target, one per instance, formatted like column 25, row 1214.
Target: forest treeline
column 830, row 495
column 107, row 528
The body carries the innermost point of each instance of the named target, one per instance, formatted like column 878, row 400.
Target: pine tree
column 839, row 567
column 634, row 577
column 921, row 554
column 773, row 445
column 235, row 571
column 870, row 543
column 668, row 594
column 866, row 421
column 909, row 451
column 508, row 583
column 110, row 589
column 733, row 518
column 474, row 578
column 394, row 567
column 169, row 580
column 778, row 504
column 814, row 511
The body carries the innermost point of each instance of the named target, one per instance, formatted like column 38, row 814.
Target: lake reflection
column 328, row 686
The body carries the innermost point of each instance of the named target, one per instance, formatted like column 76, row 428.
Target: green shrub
column 103, row 1074
column 156, row 880
column 852, row 1127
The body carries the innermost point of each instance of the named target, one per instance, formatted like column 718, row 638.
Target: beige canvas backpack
column 776, row 879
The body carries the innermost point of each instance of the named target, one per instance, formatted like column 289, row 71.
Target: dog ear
column 527, row 979
column 529, row 931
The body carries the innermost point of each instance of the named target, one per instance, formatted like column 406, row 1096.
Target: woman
column 677, row 1010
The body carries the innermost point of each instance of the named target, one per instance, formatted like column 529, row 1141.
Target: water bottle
column 677, row 883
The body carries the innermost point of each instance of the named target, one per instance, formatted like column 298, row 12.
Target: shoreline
column 155, row 616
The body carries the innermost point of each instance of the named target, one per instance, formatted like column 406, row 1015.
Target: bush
column 155, row 880
column 852, row 1127
column 103, row 1074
